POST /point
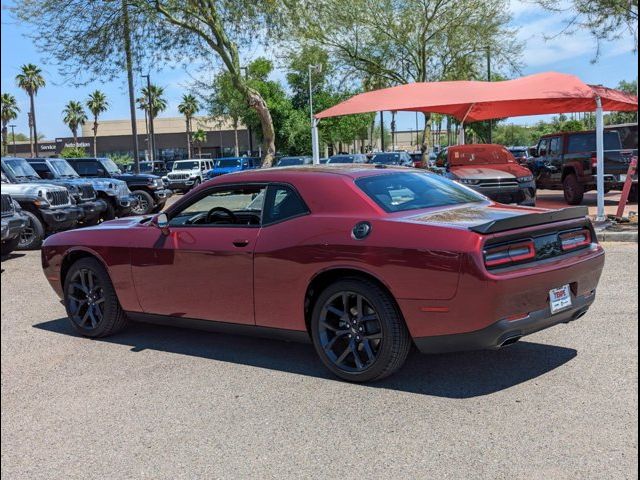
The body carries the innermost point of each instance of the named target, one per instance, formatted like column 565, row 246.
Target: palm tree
column 74, row 116
column 30, row 80
column 97, row 104
column 9, row 112
column 188, row 107
column 199, row 137
column 152, row 103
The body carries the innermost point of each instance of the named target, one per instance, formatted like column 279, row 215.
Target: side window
column 282, row 202
column 233, row 206
column 555, row 146
column 543, row 147
column 85, row 168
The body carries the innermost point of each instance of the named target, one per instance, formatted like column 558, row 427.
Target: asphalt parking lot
column 159, row 402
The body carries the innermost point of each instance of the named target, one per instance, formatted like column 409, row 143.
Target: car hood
column 30, row 188
column 471, row 215
column 131, row 177
column 489, row 172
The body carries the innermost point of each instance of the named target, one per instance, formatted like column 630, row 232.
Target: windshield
column 110, row 166
column 342, row 159
column 188, row 165
column 227, row 162
column 388, row 158
column 397, row 192
column 63, row 169
column 289, row 161
column 479, row 155
column 20, row 168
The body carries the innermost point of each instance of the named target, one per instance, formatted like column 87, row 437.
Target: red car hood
column 489, row 171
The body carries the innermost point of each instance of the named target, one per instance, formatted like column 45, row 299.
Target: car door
column 541, row 169
column 555, row 160
column 201, row 266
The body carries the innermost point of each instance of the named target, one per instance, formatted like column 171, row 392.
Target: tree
column 199, row 138
column 188, row 107
column 152, row 103
column 616, row 118
column 74, row 116
column 605, row 20
column 9, row 111
column 221, row 26
column 370, row 39
column 73, row 152
column 97, row 104
column 226, row 101
column 30, row 80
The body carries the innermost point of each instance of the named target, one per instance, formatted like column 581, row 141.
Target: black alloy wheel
column 33, row 234
column 145, row 203
column 350, row 331
column 358, row 331
column 85, row 299
column 91, row 301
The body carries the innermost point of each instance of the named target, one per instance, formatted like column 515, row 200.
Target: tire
column 109, row 213
column 145, row 203
column 371, row 349
column 33, row 235
column 573, row 190
column 196, row 184
column 9, row 246
column 91, row 301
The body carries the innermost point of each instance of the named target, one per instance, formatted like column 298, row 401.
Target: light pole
column 249, row 133
column 490, row 136
column 315, row 146
column 13, row 137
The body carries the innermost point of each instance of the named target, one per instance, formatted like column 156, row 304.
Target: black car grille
column 7, row 205
column 59, row 198
column 87, row 192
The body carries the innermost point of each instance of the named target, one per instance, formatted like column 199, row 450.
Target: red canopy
column 471, row 101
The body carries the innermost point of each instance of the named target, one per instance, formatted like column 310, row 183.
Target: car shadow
column 12, row 256
column 455, row 375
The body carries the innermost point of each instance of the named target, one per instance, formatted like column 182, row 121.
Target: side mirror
column 162, row 222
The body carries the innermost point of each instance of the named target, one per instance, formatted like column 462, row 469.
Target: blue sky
column 563, row 54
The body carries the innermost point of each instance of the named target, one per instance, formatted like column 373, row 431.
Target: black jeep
column 567, row 161
column 148, row 189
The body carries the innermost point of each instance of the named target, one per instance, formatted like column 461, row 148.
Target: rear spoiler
column 531, row 220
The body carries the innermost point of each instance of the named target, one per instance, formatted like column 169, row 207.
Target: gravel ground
column 158, row 402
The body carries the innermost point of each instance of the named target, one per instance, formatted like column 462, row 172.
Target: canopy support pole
column 315, row 146
column 601, row 217
column 461, row 135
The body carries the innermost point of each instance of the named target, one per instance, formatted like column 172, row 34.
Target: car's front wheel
column 358, row 331
column 145, row 203
column 32, row 236
column 91, row 301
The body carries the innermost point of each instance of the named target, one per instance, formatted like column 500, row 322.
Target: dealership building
column 114, row 138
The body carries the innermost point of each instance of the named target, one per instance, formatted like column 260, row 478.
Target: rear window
column 397, row 192
column 586, row 142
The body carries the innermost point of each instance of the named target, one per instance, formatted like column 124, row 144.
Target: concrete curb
column 606, row 236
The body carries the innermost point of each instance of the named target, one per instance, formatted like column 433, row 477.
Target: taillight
column 507, row 254
column 576, row 239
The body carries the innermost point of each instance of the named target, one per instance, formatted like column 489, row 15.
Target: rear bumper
column 495, row 335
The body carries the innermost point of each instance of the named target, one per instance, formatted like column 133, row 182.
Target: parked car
column 14, row 223
column 567, row 161
column 348, row 158
column 114, row 195
column 401, row 159
column 521, row 154
column 18, row 170
column 188, row 174
column 48, row 208
column 156, row 167
column 148, row 191
column 293, row 161
column 225, row 165
column 489, row 169
column 339, row 256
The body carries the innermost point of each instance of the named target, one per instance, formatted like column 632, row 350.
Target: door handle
column 241, row 243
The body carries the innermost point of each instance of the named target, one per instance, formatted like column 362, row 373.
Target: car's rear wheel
column 573, row 190
column 32, row 236
column 358, row 332
column 145, row 203
column 91, row 301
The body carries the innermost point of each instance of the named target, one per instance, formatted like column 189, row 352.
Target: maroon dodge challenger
column 364, row 261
